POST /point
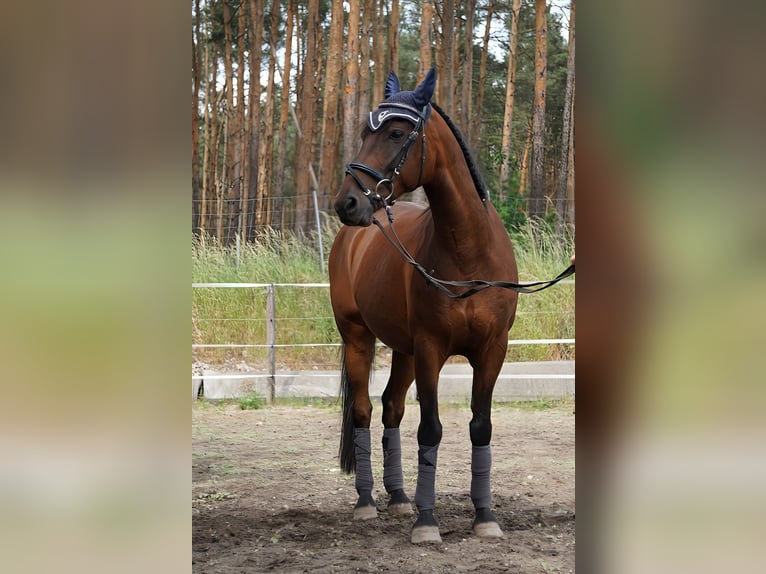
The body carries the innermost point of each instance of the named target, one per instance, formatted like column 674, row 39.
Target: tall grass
column 548, row 314
column 304, row 314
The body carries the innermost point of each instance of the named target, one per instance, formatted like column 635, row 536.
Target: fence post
column 319, row 230
column 271, row 338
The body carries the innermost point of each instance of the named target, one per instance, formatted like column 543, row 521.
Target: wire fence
column 225, row 218
column 272, row 327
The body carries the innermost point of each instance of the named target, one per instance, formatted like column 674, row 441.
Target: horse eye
column 396, row 135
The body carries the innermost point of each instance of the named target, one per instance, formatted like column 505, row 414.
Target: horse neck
column 459, row 214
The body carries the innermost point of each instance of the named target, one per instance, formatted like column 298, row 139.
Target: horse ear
column 425, row 90
column 392, row 86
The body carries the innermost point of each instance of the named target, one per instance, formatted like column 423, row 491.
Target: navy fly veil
column 412, row 106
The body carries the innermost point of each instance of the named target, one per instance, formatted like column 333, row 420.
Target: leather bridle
column 381, row 176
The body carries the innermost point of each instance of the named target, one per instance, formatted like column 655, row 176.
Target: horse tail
column 347, row 453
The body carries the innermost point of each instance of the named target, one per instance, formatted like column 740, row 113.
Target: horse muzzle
column 354, row 209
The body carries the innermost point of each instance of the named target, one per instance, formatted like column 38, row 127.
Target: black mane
column 481, row 188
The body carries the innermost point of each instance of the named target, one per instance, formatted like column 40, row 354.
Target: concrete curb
column 517, row 382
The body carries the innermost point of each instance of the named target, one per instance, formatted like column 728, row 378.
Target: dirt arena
column 268, row 496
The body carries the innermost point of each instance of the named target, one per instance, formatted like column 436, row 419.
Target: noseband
column 373, row 195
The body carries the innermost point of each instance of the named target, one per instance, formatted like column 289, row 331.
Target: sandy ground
column 267, row 494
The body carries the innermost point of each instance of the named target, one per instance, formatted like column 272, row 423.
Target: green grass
column 304, row 314
column 542, row 404
column 548, row 314
column 538, row 404
column 330, row 403
column 252, row 402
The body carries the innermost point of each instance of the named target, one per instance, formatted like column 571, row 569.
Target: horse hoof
column 400, row 508
column 365, row 512
column 426, row 535
column 487, row 530
column 399, row 503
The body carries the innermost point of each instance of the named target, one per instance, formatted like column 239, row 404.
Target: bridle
column 381, row 176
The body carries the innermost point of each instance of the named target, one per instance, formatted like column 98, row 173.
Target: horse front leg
column 427, row 366
column 484, row 377
column 402, row 374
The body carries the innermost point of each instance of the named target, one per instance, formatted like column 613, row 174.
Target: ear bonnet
column 412, row 106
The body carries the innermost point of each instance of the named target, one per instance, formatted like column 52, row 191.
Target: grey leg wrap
column 362, row 450
column 393, row 477
column 425, row 491
column 481, row 463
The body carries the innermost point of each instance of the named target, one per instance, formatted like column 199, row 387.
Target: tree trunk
column 510, row 92
column 571, row 177
column 266, row 143
column 284, row 112
column 476, row 122
column 304, row 149
column 380, row 73
column 350, row 107
column 255, row 182
column 426, row 35
column 446, row 76
column 222, row 182
column 537, row 195
column 242, row 142
column 214, row 102
column 567, row 145
column 524, row 175
column 328, row 164
column 393, row 36
column 365, row 91
column 195, row 120
column 466, row 93
column 209, row 141
column 231, row 159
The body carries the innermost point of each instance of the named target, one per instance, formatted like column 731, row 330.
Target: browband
column 389, row 111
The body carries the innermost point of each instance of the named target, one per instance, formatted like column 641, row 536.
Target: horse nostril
column 346, row 206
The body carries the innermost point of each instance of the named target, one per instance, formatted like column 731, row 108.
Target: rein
column 475, row 285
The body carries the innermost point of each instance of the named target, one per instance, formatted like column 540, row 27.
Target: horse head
column 381, row 172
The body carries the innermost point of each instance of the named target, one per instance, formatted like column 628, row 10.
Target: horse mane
column 478, row 182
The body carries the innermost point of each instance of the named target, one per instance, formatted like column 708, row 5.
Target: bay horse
column 377, row 294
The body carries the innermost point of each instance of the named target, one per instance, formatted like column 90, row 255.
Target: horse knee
column 392, row 412
column 430, row 431
column 362, row 414
column 480, row 429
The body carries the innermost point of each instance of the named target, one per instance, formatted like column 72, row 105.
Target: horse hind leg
column 402, row 375
column 355, row 446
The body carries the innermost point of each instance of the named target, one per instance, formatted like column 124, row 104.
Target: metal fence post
column 271, row 338
column 319, row 230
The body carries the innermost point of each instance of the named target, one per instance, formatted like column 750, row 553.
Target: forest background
column 280, row 89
